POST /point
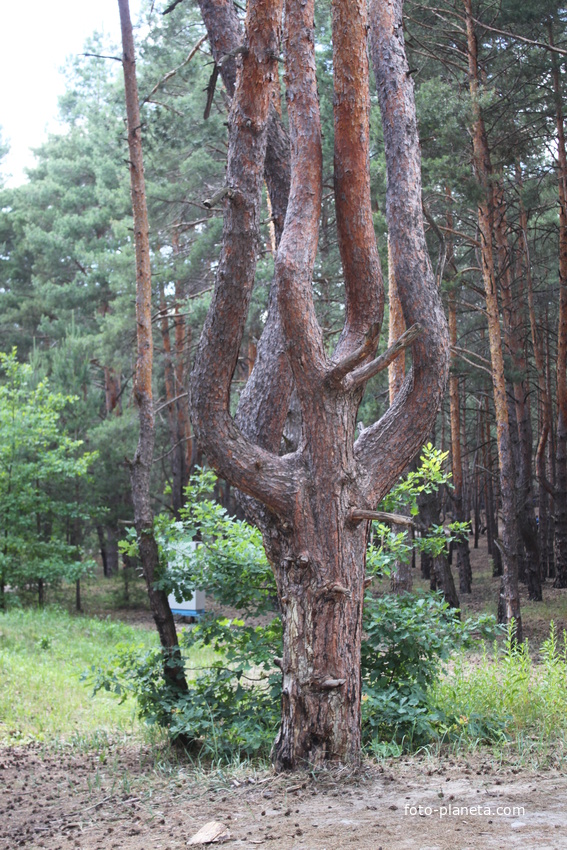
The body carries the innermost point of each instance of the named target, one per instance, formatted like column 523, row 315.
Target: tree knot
column 329, row 684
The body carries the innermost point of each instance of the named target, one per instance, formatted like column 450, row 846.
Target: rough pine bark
column 140, row 467
column 317, row 543
column 402, row 575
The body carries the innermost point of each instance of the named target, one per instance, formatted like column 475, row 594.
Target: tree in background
column 39, row 466
column 141, row 465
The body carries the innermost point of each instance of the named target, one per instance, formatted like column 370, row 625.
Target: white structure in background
column 193, row 607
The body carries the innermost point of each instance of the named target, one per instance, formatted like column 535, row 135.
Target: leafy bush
column 229, row 563
column 234, row 693
column 407, row 640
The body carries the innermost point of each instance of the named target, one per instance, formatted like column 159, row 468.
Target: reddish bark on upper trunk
column 561, row 433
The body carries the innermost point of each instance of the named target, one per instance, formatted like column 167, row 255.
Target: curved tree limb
column 252, row 469
column 264, row 402
column 298, row 247
column 226, row 39
column 385, row 448
column 364, row 288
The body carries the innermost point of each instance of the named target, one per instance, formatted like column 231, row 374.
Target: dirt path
column 61, row 801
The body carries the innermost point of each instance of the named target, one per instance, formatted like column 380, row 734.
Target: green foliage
column 229, row 562
column 408, row 639
column 429, row 476
column 388, row 547
column 234, row 690
column 234, row 706
column 38, row 460
column 233, row 701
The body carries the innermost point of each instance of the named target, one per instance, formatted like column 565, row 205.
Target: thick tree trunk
column 321, row 591
column 141, row 466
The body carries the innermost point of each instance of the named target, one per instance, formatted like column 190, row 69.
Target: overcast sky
column 36, row 37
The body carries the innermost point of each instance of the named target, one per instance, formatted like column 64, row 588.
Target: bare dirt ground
column 61, row 801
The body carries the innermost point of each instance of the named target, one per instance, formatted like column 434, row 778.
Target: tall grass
column 42, row 656
column 510, row 689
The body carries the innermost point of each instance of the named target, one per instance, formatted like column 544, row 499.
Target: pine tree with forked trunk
column 319, row 498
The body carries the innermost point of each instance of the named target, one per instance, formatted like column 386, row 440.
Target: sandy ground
column 62, row 801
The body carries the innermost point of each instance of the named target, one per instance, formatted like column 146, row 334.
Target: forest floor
column 134, row 796
column 71, row 801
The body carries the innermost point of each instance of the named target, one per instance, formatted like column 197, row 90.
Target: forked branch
column 355, row 358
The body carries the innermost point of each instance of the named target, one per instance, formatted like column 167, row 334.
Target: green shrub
column 407, row 641
column 233, row 703
column 234, row 693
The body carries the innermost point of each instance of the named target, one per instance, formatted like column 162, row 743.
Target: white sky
column 36, row 37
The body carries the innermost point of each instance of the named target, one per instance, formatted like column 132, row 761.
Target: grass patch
column 521, row 693
column 99, row 595
column 42, row 656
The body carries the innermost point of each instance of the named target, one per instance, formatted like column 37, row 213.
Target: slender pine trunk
column 141, row 466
